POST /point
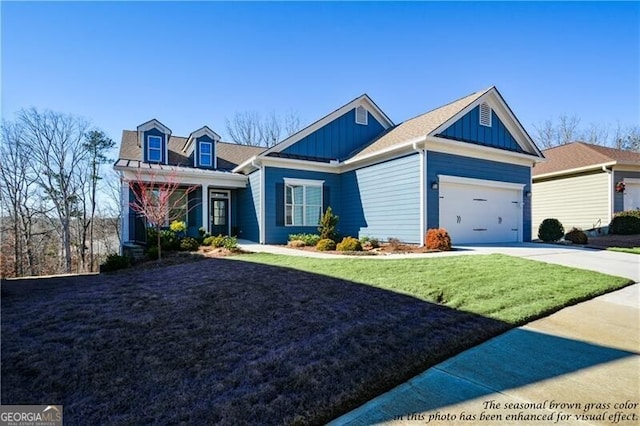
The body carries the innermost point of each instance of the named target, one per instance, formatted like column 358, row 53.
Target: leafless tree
column 550, row 134
column 56, row 142
column 250, row 128
column 156, row 198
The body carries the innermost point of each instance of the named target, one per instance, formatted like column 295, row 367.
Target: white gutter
column 609, row 193
column 393, row 148
column 576, row 170
column 248, row 162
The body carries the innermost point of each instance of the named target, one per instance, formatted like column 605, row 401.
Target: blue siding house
column 465, row 166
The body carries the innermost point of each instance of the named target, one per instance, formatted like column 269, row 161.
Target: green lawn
column 632, row 250
column 501, row 287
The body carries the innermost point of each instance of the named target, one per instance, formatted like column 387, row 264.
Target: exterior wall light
column 434, row 185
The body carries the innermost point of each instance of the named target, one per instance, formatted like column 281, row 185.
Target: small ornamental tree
column 328, row 223
column 158, row 200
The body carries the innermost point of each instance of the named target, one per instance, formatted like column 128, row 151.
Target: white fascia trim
column 633, row 181
column 250, row 162
column 495, row 102
column 154, row 124
column 213, row 178
column 303, row 182
column 467, row 149
column 263, row 204
column 481, row 182
column 290, row 163
column 408, row 145
column 575, row 170
column 627, row 168
column 363, row 100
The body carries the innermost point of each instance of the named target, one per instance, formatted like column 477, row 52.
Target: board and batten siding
column 455, row 165
column 248, row 209
column 581, row 201
column 275, row 230
column 383, row 201
column 338, row 139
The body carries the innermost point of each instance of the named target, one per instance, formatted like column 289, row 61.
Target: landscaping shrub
column 230, row 243
column 438, row 239
column 369, row 242
column 550, row 230
column 349, row 244
column 328, row 224
column 168, row 239
column 296, row 243
column 308, row 239
column 625, row 223
column 152, row 253
column 576, row 236
column 394, row 243
column 326, row 244
column 189, row 244
column 114, row 262
column 178, row 226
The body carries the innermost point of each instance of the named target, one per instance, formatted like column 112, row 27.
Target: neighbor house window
column 154, row 149
column 302, row 202
column 205, row 154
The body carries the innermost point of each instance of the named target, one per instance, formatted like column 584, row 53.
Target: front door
column 220, row 214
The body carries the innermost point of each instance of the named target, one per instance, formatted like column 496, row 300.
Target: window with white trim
column 362, row 115
column 205, row 152
column 485, row 114
column 154, row 149
column 302, row 202
column 177, row 205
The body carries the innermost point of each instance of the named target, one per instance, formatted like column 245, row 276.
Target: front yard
column 237, row 341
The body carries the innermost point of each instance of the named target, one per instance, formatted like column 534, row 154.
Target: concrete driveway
column 577, row 366
column 608, row 262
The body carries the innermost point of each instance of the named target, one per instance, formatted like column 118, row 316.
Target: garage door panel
column 479, row 214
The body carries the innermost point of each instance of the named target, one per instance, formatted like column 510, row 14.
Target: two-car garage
column 480, row 211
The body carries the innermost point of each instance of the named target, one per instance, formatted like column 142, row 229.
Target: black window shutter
column 279, row 204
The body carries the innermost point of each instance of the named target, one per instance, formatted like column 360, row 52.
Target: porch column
column 205, row 207
column 124, row 204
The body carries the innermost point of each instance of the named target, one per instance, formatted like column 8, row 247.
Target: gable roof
column 577, row 156
column 363, row 99
column 433, row 122
column 230, row 155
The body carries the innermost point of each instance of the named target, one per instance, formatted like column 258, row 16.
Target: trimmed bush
column 296, row 243
column 152, row 253
column 168, row 239
column 326, row 244
column 576, row 236
column 625, row 223
column 349, row 244
column 308, row 239
column 178, row 226
column 115, row 262
column 550, row 230
column 189, row 244
column 328, row 224
column 230, row 243
column 369, row 242
column 438, row 239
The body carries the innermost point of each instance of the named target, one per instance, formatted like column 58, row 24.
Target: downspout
column 423, row 195
column 610, row 193
column 261, row 219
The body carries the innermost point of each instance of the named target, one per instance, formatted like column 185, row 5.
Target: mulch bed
column 606, row 241
column 217, row 341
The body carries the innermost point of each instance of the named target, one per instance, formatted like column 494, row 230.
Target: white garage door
column 631, row 200
column 480, row 211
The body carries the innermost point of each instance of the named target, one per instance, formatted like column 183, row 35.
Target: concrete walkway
column 581, row 361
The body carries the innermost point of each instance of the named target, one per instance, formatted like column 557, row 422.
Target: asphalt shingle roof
column 577, row 155
column 420, row 125
column 229, row 155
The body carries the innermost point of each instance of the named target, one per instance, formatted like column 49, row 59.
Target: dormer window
column 154, row 149
column 362, row 115
column 485, row 114
column 205, row 154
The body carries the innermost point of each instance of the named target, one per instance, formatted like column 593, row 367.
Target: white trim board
column 480, row 182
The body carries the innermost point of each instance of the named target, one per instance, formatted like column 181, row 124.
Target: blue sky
column 192, row 63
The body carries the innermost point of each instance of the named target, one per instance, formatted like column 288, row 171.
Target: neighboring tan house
column 577, row 185
column 465, row 166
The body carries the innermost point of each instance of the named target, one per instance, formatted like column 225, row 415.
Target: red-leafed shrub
column 576, row 236
column 438, row 239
